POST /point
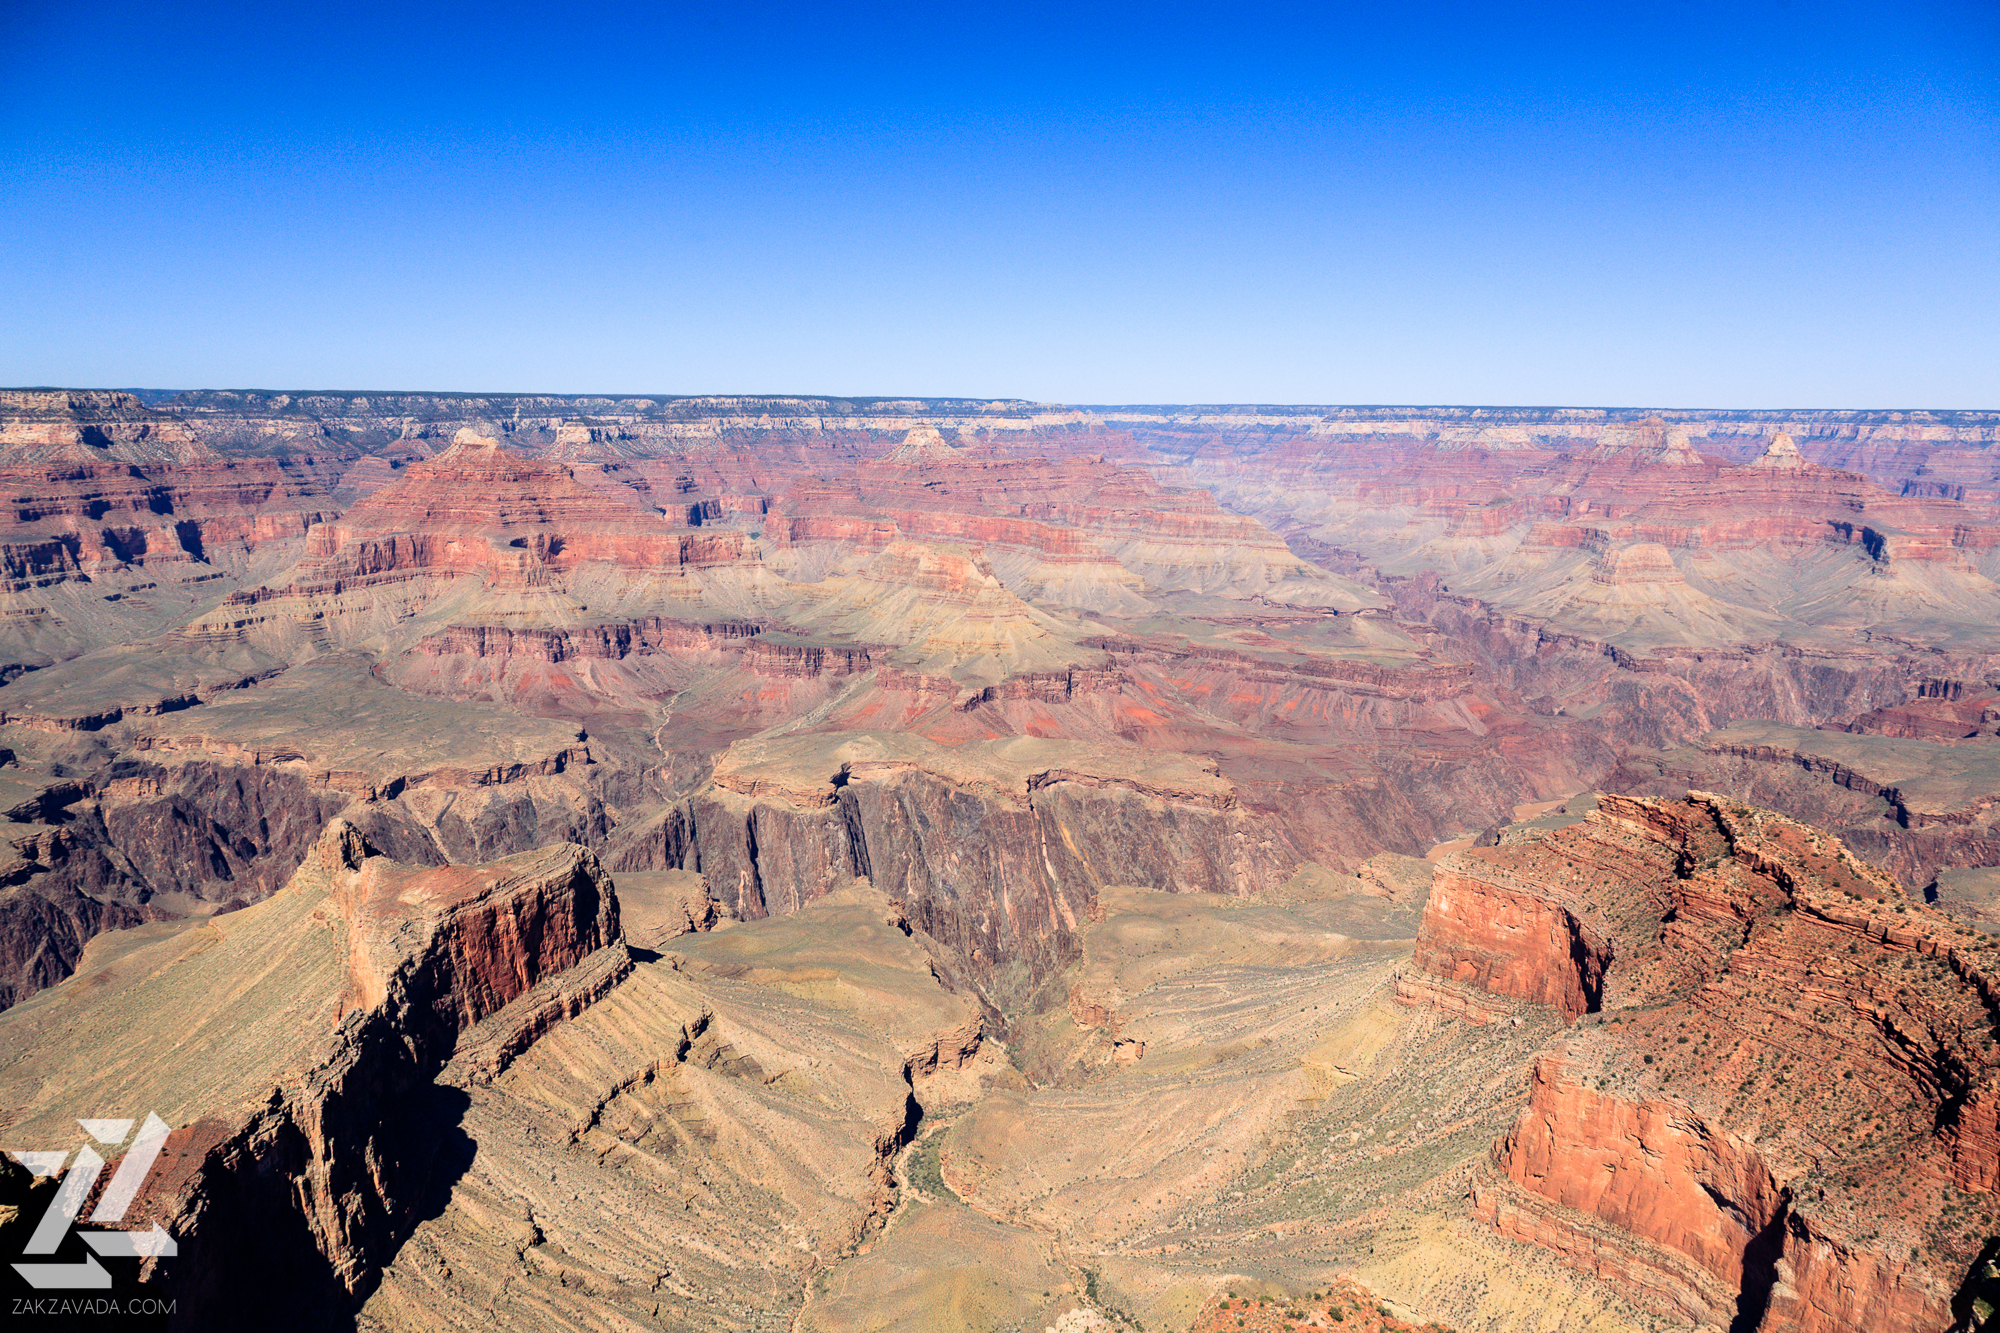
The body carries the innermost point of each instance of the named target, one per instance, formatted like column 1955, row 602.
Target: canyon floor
column 864, row 864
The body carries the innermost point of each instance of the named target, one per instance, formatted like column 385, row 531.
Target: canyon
column 867, row 863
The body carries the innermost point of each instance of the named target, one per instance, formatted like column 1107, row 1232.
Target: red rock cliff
column 1779, row 1111
column 306, row 1032
column 479, row 509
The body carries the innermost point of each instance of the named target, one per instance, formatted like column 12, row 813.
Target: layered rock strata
column 148, row 842
column 1636, row 538
column 306, row 1032
column 1774, row 1107
column 479, row 509
column 69, row 426
column 1914, row 806
column 995, row 851
column 98, row 552
column 1074, row 531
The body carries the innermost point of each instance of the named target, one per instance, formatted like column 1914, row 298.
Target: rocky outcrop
column 1054, row 687
column 996, row 853
column 90, row 425
column 1073, row 530
column 1914, row 807
column 1767, row 1115
column 1716, row 1235
column 1900, row 804
column 144, row 842
column 45, row 923
column 468, row 939
column 806, row 661
column 96, row 719
column 605, row 642
column 301, row 1159
column 745, row 643
column 1636, row 565
column 1782, row 453
column 478, row 508
column 1945, row 711
column 86, row 520
column 1424, row 683
column 1636, row 1177
column 1482, row 929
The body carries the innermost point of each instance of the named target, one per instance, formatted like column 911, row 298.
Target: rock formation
column 56, row 427
column 1018, row 813
column 1772, row 1105
column 789, row 1118
column 477, row 508
column 1076, row 530
column 1783, row 453
column 304, row 1030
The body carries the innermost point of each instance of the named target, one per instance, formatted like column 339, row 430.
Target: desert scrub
column 921, row 1170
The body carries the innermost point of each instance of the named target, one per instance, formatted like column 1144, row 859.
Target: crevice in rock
column 1760, row 1269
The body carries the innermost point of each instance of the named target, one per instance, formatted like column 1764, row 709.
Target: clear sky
column 1754, row 204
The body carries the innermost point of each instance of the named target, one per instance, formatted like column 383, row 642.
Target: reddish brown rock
column 1785, row 1088
column 1941, row 710
column 1483, row 931
column 1075, row 530
column 307, row 1030
column 81, row 520
column 479, row 509
column 1052, row 505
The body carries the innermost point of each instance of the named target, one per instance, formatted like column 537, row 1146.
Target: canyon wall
column 304, row 1144
column 999, row 866
column 1767, row 1114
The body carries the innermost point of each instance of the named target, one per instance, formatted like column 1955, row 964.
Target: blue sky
column 1759, row 204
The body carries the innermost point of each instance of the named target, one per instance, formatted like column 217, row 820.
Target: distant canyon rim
column 857, row 864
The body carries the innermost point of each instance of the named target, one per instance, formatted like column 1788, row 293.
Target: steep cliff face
column 96, row 520
column 1941, row 709
column 997, row 851
column 479, row 509
column 342, row 1055
column 1692, row 1216
column 607, row 642
column 1774, row 1113
column 308, row 1030
column 1916, row 807
column 144, row 842
column 59, row 426
column 1511, row 940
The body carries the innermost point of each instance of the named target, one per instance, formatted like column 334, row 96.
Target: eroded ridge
column 1775, row 1107
column 292, row 1047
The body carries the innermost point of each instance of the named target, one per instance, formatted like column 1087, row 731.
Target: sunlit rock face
column 478, row 508
column 1019, row 821
column 1780, row 1070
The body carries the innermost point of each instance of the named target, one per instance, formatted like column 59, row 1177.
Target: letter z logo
column 77, row 1183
